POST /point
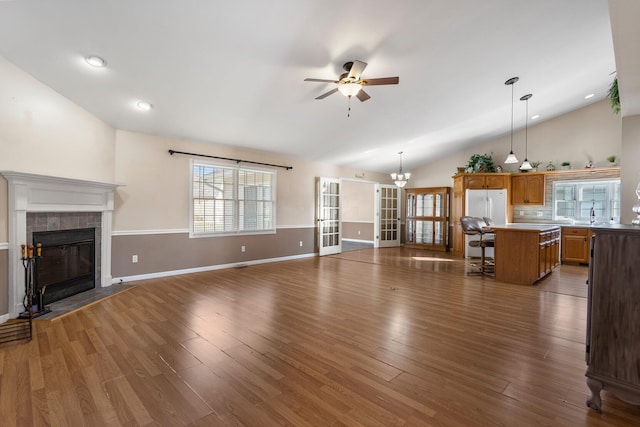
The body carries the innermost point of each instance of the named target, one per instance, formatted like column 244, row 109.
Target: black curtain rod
column 172, row 152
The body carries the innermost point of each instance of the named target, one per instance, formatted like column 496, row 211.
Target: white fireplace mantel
column 39, row 193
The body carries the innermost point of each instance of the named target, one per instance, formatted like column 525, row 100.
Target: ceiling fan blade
column 356, row 69
column 324, row 95
column 381, row 81
column 321, row 80
column 362, row 95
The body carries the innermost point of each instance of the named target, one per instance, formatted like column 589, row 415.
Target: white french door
column 329, row 216
column 387, row 210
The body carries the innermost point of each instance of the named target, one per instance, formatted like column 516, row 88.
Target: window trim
column 237, row 167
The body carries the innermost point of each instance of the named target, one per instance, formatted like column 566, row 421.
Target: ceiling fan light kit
column 349, row 89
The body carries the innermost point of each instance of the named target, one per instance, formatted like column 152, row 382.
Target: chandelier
column 400, row 178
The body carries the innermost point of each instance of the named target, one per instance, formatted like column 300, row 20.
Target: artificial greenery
column 614, row 96
column 479, row 163
column 611, row 159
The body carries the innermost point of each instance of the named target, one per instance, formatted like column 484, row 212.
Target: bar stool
column 473, row 226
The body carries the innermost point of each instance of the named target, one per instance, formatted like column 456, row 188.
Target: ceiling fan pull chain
column 349, row 110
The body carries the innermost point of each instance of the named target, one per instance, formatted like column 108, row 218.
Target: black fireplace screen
column 67, row 266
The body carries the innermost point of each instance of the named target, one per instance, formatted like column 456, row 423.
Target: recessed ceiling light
column 537, row 116
column 144, row 106
column 591, row 95
column 95, row 61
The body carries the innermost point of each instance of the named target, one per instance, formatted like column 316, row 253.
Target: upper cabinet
column 487, row 181
column 527, row 189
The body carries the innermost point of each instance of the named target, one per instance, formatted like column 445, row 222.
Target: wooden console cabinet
column 575, row 245
column 427, row 222
column 613, row 314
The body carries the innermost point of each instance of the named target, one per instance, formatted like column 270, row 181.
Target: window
column 573, row 200
column 231, row 200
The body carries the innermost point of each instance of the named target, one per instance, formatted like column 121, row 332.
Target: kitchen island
column 525, row 253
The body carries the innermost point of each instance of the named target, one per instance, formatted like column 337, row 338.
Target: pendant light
column 400, row 178
column 526, row 166
column 511, row 158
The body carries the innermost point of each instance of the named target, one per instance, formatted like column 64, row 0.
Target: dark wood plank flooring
column 387, row 337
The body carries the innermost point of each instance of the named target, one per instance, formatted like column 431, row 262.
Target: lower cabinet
column 575, row 245
column 524, row 255
column 613, row 315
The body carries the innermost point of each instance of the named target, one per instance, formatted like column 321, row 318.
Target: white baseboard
column 358, row 241
column 4, row 318
column 207, row 268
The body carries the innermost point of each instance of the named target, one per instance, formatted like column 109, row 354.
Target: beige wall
column 590, row 133
column 358, row 200
column 44, row 133
column 155, row 191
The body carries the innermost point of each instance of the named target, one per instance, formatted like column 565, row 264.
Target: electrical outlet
column 134, row 259
column 358, row 232
column 521, row 213
column 300, row 243
column 242, row 248
column 539, row 213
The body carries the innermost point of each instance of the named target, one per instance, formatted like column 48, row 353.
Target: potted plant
column 611, row 160
column 480, row 163
column 566, row 165
column 614, row 96
column 535, row 165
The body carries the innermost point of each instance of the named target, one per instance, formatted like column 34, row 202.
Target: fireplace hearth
column 67, row 266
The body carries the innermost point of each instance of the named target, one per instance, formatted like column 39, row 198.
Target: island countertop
column 536, row 228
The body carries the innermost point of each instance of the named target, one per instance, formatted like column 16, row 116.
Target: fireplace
column 67, row 266
column 58, row 204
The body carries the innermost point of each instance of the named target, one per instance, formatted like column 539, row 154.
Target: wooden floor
column 387, row 337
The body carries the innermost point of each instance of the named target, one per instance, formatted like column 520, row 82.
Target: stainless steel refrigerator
column 485, row 203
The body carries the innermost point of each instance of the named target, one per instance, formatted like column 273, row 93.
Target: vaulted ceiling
column 233, row 72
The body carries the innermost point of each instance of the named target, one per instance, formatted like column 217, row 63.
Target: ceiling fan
column 351, row 84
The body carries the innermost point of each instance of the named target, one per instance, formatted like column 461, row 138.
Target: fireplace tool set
column 29, row 260
column 19, row 329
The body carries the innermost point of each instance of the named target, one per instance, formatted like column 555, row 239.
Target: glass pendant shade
column 526, row 166
column 511, row 158
column 349, row 89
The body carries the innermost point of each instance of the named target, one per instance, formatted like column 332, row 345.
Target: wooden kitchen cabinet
column 485, row 181
column 527, row 189
column 575, row 245
column 613, row 315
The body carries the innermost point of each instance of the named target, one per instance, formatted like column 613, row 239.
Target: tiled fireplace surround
column 46, row 203
column 56, row 221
